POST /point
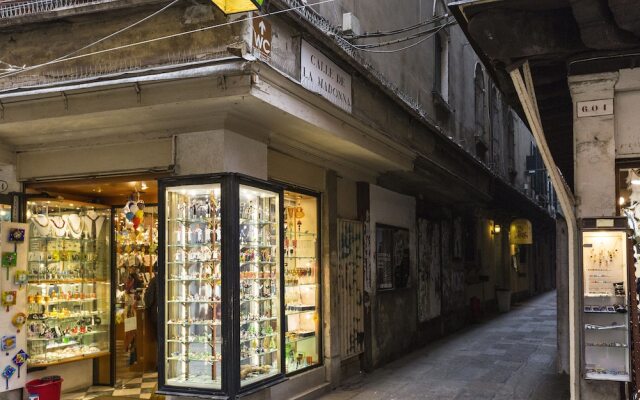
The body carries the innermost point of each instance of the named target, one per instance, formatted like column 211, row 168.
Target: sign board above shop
column 521, row 232
column 321, row 75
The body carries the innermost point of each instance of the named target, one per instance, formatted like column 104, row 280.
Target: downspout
column 526, row 94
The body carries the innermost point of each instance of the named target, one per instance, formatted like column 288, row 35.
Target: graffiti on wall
column 351, row 287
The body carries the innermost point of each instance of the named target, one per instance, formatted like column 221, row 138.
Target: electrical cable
column 400, row 30
column 23, row 69
column 125, row 46
column 396, row 50
column 395, row 41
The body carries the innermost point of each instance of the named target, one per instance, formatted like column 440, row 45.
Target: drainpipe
column 526, row 93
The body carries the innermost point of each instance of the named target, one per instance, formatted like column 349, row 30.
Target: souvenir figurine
column 8, row 342
column 19, row 359
column 9, row 260
column 16, row 235
column 7, row 374
column 20, row 278
column 8, row 299
column 18, row 320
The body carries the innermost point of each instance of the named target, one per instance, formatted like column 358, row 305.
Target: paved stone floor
column 512, row 356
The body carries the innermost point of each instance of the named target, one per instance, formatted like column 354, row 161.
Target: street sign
column 594, row 108
column 262, row 35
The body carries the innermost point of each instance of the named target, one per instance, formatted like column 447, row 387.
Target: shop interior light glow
column 237, row 6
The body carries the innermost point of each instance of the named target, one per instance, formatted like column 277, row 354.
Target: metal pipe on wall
column 526, row 94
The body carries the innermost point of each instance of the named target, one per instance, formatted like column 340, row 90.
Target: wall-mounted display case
column 68, row 289
column 224, row 323
column 607, row 264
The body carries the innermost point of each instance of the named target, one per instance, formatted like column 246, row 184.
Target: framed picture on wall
column 393, row 259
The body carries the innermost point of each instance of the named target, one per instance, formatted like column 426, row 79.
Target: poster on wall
column 393, row 257
column 423, row 270
column 428, row 270
column 350, row 289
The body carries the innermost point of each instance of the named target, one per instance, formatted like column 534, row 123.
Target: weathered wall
column 393, row 312
column 23, row 45
column 416, row 78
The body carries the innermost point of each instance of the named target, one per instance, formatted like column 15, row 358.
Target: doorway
column 126, row 244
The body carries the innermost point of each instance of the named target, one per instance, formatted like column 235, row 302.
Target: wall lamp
column 496, row 229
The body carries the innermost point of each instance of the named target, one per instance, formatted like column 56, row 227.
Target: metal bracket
column 138, row 91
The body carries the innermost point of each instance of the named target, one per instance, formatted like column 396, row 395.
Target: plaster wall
column 220, row 151
column 394, row 312
column 627, row 98
column 347, row 199
column 594, row 148
column 285, row 168
column 417, row 77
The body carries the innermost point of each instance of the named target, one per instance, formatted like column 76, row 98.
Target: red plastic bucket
column 47, row 388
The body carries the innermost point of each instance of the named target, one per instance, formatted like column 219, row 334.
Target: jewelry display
column 301, row 281
column 193, row 287
column 606, row 327
column 259, row 282
column 68, row 283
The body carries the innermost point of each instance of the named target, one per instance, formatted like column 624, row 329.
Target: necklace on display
column 42, row 224
column 59, row 228
column 75, row 225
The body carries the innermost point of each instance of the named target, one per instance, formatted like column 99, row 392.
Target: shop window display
column 68, row 282
column 259, row 285
column 193, row 287
column 230, row 322
column 606, row 304
column 302, row 291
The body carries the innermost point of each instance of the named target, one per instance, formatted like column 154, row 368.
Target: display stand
column 12, row 317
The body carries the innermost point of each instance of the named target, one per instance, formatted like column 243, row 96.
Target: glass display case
column 605, row 260
column 193, row 287
column 302, row 289
column 259, row 284
column 223, row 316
column 68, row 290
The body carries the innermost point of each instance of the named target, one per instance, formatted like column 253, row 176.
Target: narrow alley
column 512, row 356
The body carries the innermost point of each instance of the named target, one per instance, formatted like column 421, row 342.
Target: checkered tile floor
column 140, row 388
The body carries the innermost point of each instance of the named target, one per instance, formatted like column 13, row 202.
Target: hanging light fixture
column 238, row 6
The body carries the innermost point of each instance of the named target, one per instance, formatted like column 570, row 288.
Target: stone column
column 594, row 186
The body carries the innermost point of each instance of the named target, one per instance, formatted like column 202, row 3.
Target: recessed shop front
column 213, row 281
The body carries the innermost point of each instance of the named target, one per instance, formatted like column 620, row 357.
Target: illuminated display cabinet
column 226, row 327
column 609, row 299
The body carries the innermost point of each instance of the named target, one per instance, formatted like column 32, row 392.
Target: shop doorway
column 94, row 256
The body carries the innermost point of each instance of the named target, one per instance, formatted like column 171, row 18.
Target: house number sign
column 594, row 108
